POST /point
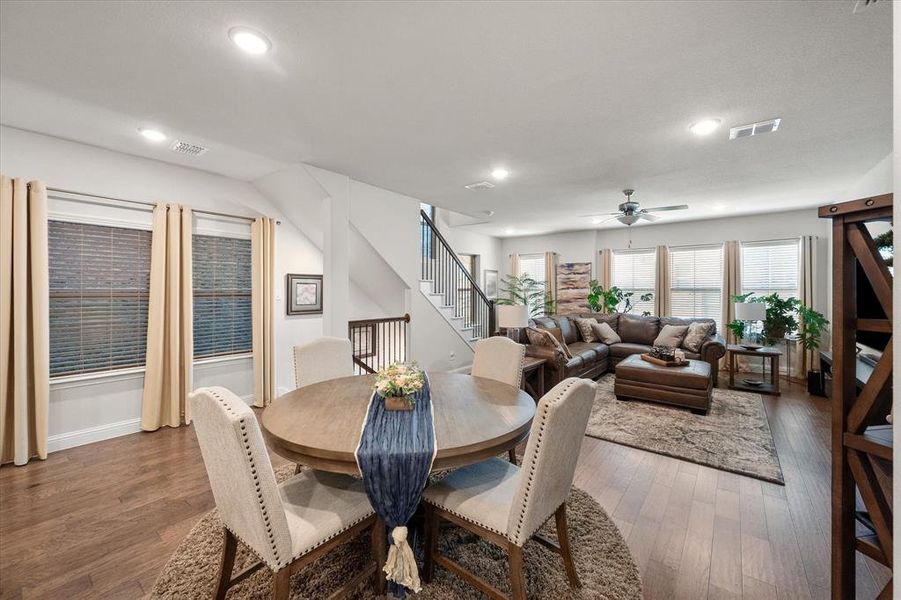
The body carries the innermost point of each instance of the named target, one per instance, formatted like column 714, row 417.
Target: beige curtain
column 24, row 321
column 263, row 296
column 514, row 265
column 662, row 301
column 550, row 275
column 807, row 358
column 170, row 321
column 605, row 268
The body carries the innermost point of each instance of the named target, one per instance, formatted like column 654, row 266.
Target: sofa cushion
column 586, row 350
column 545, row 337
column 574, row 363
column 696, row 334
column 671, row 335
column 688, row 321
column 611, row 319
column 584, row 326
column 635, row 329
column 567, row 328
column 625, row 349
column 605, row 333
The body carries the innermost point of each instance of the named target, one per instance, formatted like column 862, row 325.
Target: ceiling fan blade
column 612, row 214
column 660, row 208
column 648, row 217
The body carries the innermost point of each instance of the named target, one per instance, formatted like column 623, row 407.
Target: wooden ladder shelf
column 861, row 439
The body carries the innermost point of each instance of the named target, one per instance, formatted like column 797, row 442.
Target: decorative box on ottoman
column 687, row 386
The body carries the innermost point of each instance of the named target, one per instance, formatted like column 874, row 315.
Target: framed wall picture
column 304, row 294
column 490, row 284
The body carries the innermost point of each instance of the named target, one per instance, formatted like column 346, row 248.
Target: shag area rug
column 602, row 558
column 734, row 436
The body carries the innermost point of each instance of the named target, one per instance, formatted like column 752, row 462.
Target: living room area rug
column 734, row 436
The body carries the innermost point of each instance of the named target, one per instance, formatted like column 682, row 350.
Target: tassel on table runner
column 395, row 456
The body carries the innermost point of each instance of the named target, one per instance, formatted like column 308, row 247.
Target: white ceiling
column 578, row 100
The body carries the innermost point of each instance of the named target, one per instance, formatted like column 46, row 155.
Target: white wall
column 463, row 241
column 89, row 409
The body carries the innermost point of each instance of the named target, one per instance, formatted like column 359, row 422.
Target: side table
column 765, row 354
column 533, row 376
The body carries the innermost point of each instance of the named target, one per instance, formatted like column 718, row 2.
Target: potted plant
column 522, row 290
column 609, row 301
column 397, row 384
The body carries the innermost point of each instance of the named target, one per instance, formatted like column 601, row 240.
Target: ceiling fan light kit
column 630, row 212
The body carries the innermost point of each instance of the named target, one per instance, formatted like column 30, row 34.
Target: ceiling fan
column 630, row 212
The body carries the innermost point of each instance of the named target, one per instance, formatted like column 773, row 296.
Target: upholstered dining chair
column 499, row 358
column 322, row 359
column 506, row 505
column 287, row 525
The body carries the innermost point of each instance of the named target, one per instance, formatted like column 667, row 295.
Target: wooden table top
column 764, row 351
column 475, row 418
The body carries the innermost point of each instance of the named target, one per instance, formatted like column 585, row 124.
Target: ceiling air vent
column 479, row 185
column 188, row 148
column 743, row 131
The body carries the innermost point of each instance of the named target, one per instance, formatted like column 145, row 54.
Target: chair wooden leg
column 230, row 546
column 517, row 575
column 281, row 584
column 565, row 549
column 431, row 543
column 512, row 454
column 379, row 555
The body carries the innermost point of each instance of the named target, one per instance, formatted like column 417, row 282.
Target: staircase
column 450, row 288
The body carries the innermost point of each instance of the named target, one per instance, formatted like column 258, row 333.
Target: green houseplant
column 523, row 290
column 609, row 301
column 784, row 315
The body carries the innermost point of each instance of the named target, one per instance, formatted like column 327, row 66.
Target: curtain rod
column 149, row 204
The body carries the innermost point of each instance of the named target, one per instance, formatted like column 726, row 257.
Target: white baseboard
column 71, row 439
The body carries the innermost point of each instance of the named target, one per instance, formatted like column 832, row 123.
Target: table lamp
column 512, row 317
column 750, row 312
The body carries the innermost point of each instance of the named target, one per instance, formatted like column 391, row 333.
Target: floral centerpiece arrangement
column 397, row 383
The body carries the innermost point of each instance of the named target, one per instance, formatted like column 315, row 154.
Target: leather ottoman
column 688, row 387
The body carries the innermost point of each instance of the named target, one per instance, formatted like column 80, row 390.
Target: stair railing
column 449, row 278
column 376, row 343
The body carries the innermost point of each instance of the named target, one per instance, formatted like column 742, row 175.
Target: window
column 533, row 266
column 633, row 271
column 222, row 296
column 696, row 279
column 99, row 287
column 768, row 267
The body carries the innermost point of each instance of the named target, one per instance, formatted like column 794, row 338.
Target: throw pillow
column 697, row 333
column 605, row 333
column 584, row 326
column 558, row 335
column 671, row 335
column 544, row 337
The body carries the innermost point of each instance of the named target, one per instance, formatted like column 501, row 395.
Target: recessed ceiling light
column 719, row 206
column 705, row 126
column 500, row 174
column 249, row 40
column 154, row 135
column 509, row 231
column 597, row 220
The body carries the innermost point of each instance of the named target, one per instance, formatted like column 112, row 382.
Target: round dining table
column 319, row 425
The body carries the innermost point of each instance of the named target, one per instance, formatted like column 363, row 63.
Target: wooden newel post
column 492, row 317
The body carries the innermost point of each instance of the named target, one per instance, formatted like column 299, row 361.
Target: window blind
column 533, row 266
column 99, row 287
column 222, row 296
column 633, row 271
column 696, row 282
column 768, row 267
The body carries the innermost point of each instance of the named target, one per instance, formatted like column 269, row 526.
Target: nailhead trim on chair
column 465, row 518
column 256, row 479
column 531, row 475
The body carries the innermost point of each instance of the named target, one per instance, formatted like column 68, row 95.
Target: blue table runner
column 395, row 456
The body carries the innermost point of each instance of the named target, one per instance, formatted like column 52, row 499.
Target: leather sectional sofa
column 592, row 359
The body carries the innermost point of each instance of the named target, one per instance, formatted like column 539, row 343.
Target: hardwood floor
column 100, row 521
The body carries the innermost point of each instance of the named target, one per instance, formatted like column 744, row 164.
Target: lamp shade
column 750, row 311
column 512, row 316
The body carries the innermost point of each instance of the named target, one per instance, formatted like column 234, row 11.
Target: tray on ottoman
column 689, row 387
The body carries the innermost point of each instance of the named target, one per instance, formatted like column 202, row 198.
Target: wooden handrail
column 362, row 365
column 453, row 255
column 364, row 322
